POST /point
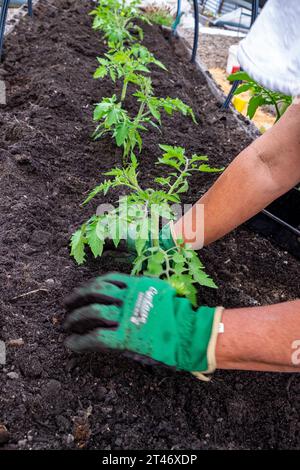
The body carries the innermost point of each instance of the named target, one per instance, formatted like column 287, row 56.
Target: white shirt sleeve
column 270, row 53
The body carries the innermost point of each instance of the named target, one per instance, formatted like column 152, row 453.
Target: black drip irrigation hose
column 196, row 31
column 196, row 28
column 281, row 222
column 254, row 12
column 226, row 103
column 3, row 17
column 4, row 10
column 30, row 9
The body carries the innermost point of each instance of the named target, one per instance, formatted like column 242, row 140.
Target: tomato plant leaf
column 77, row 246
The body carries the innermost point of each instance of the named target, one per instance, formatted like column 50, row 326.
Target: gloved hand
column 166, row 240
column 143, row 315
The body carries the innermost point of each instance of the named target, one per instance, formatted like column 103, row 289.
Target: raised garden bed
column 48, row 161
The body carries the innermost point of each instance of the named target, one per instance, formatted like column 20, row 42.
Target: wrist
column 236, row 348
column 207, row 335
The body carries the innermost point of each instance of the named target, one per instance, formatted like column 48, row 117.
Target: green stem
column 154, row 222
column 147, row 113
column 180, row 177
column 168, row 267
column 133, row 184
column 124, row 90
column 139, row 115
column 136, row 122
column 278, row 115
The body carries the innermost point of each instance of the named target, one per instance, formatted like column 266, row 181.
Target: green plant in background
column 160, row 15
column 116, row 20
column 126, row 130
column 138, row 215
column 260, row 96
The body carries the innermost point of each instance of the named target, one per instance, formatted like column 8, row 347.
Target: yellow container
column 239, row 103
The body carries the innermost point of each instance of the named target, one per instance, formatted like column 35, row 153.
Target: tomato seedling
column 137, row 219
column 116, row 20
column 126, row 130
column 128, row 64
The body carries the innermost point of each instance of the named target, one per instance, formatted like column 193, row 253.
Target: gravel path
column 212, row 49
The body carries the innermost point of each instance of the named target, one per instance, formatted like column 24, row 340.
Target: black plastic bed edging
column 280, row 222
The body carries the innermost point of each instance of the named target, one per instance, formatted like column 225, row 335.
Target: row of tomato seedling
column 138, row 215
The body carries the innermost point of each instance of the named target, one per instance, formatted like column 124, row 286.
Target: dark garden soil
column 50, row 398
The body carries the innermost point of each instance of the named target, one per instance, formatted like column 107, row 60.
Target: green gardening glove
column 144, row 316
column 127, row 244
column 165, row 240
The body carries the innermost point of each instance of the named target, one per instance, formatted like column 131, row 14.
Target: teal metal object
column 179, row 14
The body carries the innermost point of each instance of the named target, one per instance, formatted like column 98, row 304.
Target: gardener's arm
column 144, row 316
column 261, row 338
column 261, row 173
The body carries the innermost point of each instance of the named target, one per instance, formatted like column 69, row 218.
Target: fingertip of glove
column 70, row 343
column 76, row 300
